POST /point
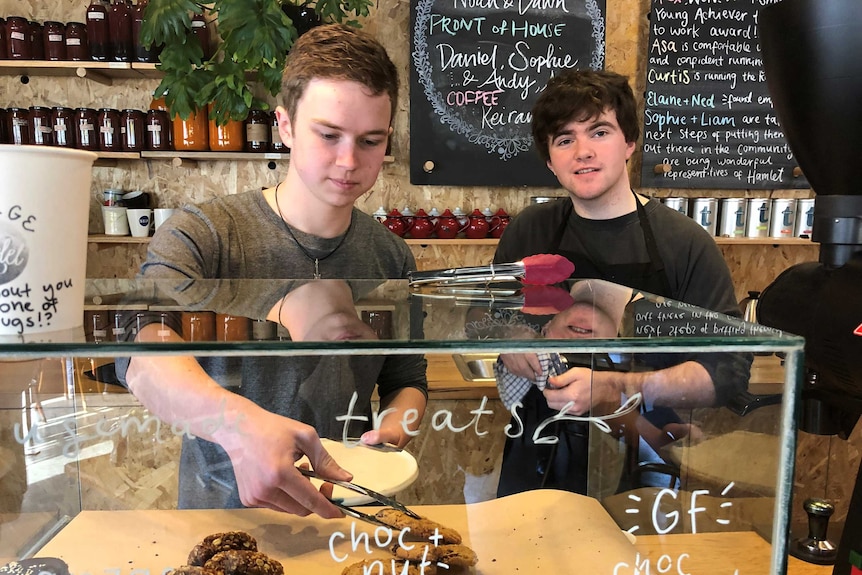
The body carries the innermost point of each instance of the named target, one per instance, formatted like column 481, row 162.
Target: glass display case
column 631, row 465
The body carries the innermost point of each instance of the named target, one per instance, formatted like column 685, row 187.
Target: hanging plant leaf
column 255, row 37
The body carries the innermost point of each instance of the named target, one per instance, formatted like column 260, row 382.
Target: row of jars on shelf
column 110, row 130
column 477, row 225
column 111, row 33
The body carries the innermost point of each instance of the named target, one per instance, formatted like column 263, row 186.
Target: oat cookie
column 234, row 562
column 456, row 555
column 191, row 570
column 212, row 544
column 388, row 569
column 420, row 528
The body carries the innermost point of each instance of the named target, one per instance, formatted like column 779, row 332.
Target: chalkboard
column 477, row 68
column 708, row 114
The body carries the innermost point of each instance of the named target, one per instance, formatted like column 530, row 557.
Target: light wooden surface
column 535, row 532
column 741, row 552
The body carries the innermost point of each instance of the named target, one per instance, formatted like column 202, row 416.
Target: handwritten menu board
column 708, row 113
column 478, row 67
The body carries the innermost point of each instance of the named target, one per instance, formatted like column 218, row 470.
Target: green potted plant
column 253, row 37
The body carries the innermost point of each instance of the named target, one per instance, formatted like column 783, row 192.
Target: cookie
column 372, row 566
column 420, row 528
column 456, row 555
column 234, row 562
column 191, row 570
column 212, row 544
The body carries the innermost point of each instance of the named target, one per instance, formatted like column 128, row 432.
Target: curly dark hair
column 580, row 95
column 338, row 52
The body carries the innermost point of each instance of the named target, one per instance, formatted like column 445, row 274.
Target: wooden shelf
column 103, row 239
column 102, row 72
column 452, row 242
column 765, row 241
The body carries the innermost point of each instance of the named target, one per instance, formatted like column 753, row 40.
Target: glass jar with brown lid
column 109, row 130
column 3, row 47
column 191, row 134
column 275, row 143
column 37, row 45
column 86, row 120
column 63, row 124
column 158, row 128
column 132, row 130
column 98, row 31
column 4, row 138
column 54, row 38
column 41, row 133
column 257, row 126
column 18, row 41
column 18, row 126
column 77, row 48
column 120, row 30
column 229, row 137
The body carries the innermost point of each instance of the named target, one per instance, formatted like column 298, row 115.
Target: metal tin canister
column 757, row 224
column 705, row 212
column 678, row 204
column 733, row 217
column 804, row 218
column 783, row 219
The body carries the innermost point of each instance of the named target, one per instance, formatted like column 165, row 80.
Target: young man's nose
column 583, row 150
column 347, row 156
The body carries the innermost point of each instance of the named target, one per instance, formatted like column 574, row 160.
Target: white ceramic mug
column 116, row 221
column 161, row 214
column 140, row 221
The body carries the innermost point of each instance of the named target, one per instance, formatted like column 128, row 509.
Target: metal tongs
column 349, row 511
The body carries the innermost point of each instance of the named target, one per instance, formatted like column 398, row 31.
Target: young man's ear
column 630, row 148
column 285, row 129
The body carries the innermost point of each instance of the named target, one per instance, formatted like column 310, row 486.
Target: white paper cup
column 116, row 221
column 140, row 221
column 44, row 259
column 160, row 215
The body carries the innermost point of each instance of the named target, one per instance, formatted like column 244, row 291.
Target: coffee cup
column 160, row 215
column 136, row 199
column 140, row 221
column 116, row 221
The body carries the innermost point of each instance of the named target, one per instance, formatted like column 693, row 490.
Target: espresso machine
column 812, row 55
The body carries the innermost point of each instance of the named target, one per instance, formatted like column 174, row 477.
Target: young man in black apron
column 585, row 126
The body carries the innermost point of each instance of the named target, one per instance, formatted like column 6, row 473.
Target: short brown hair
column 338, row 52
column 578, row 96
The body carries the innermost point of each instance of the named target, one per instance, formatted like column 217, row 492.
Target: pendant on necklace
column 316, row 269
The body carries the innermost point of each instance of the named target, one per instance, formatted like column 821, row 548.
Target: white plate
column 386, row 472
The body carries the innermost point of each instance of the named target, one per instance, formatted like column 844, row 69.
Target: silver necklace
column 302, row 247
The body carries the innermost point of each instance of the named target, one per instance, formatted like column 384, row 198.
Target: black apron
column 527, row 466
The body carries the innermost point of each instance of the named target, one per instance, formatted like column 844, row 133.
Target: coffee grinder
column 811, row 54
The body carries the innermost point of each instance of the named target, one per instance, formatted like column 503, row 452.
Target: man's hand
column 522, row 364
column 583, row 387
column 264, row 453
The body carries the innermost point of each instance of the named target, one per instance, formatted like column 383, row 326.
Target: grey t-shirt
column 240, row 236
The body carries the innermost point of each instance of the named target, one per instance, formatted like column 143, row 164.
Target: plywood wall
column 753, row 267
column 627, row 32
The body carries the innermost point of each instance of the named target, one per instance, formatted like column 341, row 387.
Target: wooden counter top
column 534, row 532
column 741, row 552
